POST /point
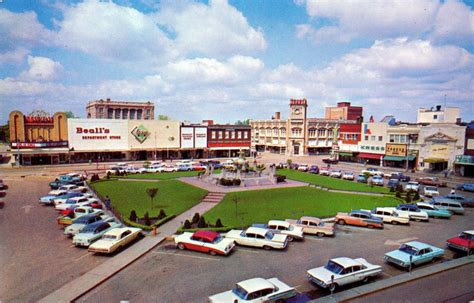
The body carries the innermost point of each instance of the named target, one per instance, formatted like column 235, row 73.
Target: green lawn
column 329, row 182
column 173, row 196
column 263, row 205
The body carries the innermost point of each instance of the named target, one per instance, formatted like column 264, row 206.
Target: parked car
column 348, row 176
column 49, row 199
column 452, row 206
column 199, row 167
column 464, row 242
column 73, row 188
column 344, row 270
column 283, row 227
column 377, row 180
column 66, row 179
column 399, row 176
column 330, row 161
column 258, row 237
column 75, row 202
column 335, row 174
column 412, row 211
column 314, row 226
column 216, row 164
column 314, row 169
column 115, row 170
column 390, row 215
column 115, row 239
column 303, row 167
column 465, row 201
column 430, row 191
column 359, row 218
column 372, row 171
column 135, row 170
column 393, row 183
column 466, row 187
column 433, row 181
column 361, row 179
column 433, row 211
column 168, row 168
column 81, row 222
column 205, row 241
column 94, row 232
column 64, row 198
column 412, row 186
column 78, row 212
column 419, row 253
column 324, row 172
column 184, row 167
column 256, row 290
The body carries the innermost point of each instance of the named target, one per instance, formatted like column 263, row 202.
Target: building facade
column 344, row 111
column 120, row 110
column 464, row 164
column 438, row 114
column 228, row 140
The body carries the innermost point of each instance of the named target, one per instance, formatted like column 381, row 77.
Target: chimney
column 438, row 108
column 277, row 116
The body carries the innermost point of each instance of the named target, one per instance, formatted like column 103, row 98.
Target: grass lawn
column 174, row 197
column 329, row 182
column 285, row 203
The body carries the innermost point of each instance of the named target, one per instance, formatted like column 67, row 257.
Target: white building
column 438, row 115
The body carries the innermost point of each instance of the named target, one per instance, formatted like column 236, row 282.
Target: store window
column 380, row 138
column 221, row 134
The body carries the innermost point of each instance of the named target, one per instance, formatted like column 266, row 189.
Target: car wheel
column 341, row 222
column 290, row 239
column 266, row 247
column 394, row 222
column 333, row 287
column 212, row 253
column 418, row 220
column 321, row 235
column 366, row 279
column 370, row 226
column 181, row 246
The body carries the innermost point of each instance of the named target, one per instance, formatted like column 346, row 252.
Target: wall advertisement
column 200, row 137
column 399, row 150
column 97, row 134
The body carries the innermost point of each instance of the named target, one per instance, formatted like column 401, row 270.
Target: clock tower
column 297, row 127
column 298, row 109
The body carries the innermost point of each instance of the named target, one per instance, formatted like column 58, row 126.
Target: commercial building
column 344, row 111
column 464, row 164
column 228, row 140
column 39, row 138
column 438, row 114
column 297, row 135
column 120, row 110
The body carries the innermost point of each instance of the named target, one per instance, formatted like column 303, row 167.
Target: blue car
column 314, row 169
column 418, row 251
column 49, row 199
column 361, row 179
column 465, row 201
column 64, row 180
column 466, row 187
column 433, row 211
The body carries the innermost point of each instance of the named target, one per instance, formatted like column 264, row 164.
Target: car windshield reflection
column 240, row 292
column 408, row 249
column 334, row 267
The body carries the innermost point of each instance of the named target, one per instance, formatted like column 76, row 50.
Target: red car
column 433, row 181
column 69, row 212
column 463, row 242
column 205, row 241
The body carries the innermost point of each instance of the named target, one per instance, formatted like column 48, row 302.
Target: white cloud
column 217, row 29
column 15, row 56
column 42, row 69
column 114, row 33
column 454, row 23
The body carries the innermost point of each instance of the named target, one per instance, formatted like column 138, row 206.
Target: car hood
column 399, row 255
column 460, row 242
column 224, row 297
column 85, row 236
column 74, row 227
column 103, row 243
column 234, row 233
column 322, row 274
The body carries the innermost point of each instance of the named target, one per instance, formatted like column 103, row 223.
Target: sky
column 231, row 60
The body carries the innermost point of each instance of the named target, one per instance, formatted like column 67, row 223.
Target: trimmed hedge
column 148, row 228
column 217, row 229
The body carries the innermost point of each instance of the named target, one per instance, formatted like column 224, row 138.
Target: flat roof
column 252, row 285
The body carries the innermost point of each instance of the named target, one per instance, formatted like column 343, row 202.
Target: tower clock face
column 297, row 111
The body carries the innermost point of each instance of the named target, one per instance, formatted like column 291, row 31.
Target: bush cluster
column 229, row 182
column 95, row 177
column 280, row 178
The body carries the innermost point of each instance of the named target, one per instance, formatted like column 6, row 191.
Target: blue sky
column 229, row 60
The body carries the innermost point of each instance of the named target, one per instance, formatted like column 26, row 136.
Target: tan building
column 438, row 114
column 109, row 109
column 344, row 111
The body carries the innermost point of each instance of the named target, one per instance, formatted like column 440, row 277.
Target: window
column 221, row 134
column 321, row 132
column 435, row 117
column 139, row 114
column 213, row 134
column 125, row 114
column 246, row 135
column 239, row 135
column 380, row 138
column 312, row 132
column 275, row 132
column 101, row 112
column 296, row 132
column 366, row 138
column 132, row 114
column 227, row 134
column 117, row 113
column 110, row 113
column 372, row 138
column 232, row 134
column 147, row 116
column 283, row 132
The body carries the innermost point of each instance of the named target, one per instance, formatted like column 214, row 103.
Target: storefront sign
column 39, row 144
column 399, row 150
column 200, row 137
column 439, row 151
column 97, row 134
column 187, row 137
column 140, row 133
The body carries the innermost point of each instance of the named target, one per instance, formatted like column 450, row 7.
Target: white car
column 115, row 239
column 76, row 175
column 75, row 202
column 155, row 168
column 345, row 271
column 70, row 188
column 372, row 171
column 169, row 168
column 135, row 170
column 430, row 191
column 205, row 241
column 303, row 167
column 335, row 174
column 390, row 215
column 256, row 290
column 81, row 222
column 258, row 237
column 412, row 186
column 283, row 227
column 94, row 232
column 63, row 200
column 115, row 169
column 412, row 211
column 377, row 180
column 324, row 172
column 348, row 176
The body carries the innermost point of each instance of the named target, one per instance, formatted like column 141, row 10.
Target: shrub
column 108, row 175
column 392, row 189
column 133, row 216
column 162, row 214
column 196, row 218
column 118, row 173
column 399, row 188
column 228, row 182
column 146, row 218
column 289, row 161
column 416, row 197
column 95, row 177
column 398, row 194
column 280, row 178
column 236, row 182
column 408, row 197
column 146, row 164
column 202, row 222
column 187, row 224
column 219, row 223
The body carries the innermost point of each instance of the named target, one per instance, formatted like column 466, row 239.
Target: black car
column 314, row 169
column 330, row 161
column 401, row 177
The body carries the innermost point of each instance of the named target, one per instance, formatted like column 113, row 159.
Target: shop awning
column 347, row 154
column 398, row 158
column 370, row 156
column 435, row 160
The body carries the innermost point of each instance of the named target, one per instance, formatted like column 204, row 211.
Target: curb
column 370, row 288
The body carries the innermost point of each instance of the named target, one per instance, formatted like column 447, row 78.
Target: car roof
column 97, row 224
column 417, row 244
column 308, row 218
column 470, row 232
column 407, row 205
column 424, row 204
column 358, row 211
column 278, row 222
column 255, row 284
column 257, row 230
column 345, row 262
column 206, row 234
column 117, row 231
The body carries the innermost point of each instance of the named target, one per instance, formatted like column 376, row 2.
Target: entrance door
column 142, row 155
column 296, row 149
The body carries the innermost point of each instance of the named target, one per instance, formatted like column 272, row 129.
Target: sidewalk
column 78, row 287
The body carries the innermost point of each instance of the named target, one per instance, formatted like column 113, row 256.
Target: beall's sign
column 97, row 134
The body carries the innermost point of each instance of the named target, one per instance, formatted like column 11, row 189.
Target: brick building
column 109, row 109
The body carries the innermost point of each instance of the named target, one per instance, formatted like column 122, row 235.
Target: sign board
column 399, row 150
column 470, row 144
column 187, row 137
column 200, row 137
column 49, row 144
column 97, row 134
column 440, row 151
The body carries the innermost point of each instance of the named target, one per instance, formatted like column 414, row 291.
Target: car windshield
column 82, row 220
column 408, row 249
column 466, row 236
column 334, row 267
column 69, row 201
column 431, row 188
column 89, row 229
column 269, row 235
column 217, row 239
column 240, row 292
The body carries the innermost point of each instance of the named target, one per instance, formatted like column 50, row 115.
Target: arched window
column 312, row 132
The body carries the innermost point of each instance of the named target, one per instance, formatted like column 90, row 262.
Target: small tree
column 151, row 192
column 399, row 188
column 162, row 214
column 398, row 194
column 187, row 224
column 289, row 161
column 219, row 223
column 392, row 189
column 146, row 218
column 133, row 216
column 195, row 219
column 202, row 222
column 95, row 177
column 416, row 196
column 108, row 175
column 408, row 197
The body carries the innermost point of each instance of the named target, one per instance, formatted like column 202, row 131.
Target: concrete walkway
column 78, row 287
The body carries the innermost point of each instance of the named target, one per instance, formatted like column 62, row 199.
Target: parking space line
column 313, row 239
column 84, row 255
column 183, row 255
column 388, row 275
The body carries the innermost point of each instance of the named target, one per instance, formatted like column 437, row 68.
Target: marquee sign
column 399, row 150
column 48, row 144
column 140, row 133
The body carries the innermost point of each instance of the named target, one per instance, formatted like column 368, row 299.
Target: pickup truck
column 78, row 212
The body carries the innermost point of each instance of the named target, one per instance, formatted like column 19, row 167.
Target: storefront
column 193, row 142
column 41, row 153
column 397, row 155
column 372, row 159
column 228, row 140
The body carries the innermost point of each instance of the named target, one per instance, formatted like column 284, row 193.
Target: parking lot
column 171, row 275
column 35, row 257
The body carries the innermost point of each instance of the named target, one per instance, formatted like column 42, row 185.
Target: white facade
column 98, row 135
column 373, row 138
column 153, row 134
column 438, row 115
